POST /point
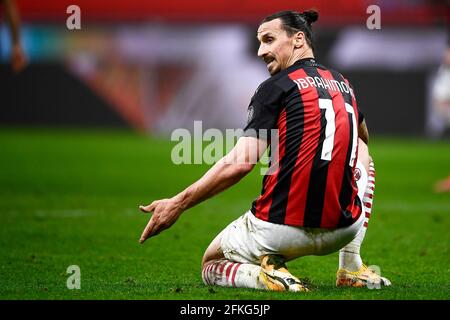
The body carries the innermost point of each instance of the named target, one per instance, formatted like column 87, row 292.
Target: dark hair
column 296, row 21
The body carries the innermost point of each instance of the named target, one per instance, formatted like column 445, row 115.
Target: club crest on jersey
column 357, row 174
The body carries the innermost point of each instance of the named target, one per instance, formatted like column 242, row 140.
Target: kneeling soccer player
column 318, row 196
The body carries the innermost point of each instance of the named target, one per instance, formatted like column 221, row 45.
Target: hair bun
column 310, row 15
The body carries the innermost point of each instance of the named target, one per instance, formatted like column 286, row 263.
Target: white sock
column 226, row 273
column 349, row 257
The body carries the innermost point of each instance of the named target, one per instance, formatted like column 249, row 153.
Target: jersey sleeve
column 264, row 110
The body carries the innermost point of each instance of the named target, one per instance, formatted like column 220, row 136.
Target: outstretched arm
column 225, row 173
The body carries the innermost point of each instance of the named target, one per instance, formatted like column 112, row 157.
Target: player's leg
column 349, row 256
column 352, row 271
column 217, row 270
column 243, row 268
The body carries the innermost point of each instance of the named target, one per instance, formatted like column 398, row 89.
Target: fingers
column 144, row 209
column 149, row 230
column 164, row 215
column 149, row 208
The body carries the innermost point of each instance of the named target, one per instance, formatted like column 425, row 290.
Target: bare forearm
column 225, row 173
column 12, row 16
column 220, row 177
column 363, row 132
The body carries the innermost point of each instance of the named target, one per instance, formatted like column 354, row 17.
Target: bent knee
column 205, row 260
column 213, row 253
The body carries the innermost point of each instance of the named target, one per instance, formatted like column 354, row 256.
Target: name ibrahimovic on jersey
column 319, row 82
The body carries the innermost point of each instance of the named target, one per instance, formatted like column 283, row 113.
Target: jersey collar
column 306, row 61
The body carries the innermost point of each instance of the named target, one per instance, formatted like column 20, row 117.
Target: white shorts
column 248, row 238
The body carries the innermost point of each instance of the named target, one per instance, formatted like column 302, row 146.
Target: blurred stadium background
column 75, row 121
column 155, row 66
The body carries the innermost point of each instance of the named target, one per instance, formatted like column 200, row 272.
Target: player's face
column 276, row 47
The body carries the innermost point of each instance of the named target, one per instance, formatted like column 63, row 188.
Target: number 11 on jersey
column 330, row 129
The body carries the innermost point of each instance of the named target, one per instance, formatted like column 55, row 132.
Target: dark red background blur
column 331, row 12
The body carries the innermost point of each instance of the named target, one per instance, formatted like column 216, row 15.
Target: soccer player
column 319, row 197
column 440, row 97
column 18, row 58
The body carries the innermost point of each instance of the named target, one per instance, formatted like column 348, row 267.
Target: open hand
column 165, row 213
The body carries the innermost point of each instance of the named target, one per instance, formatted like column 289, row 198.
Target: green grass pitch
column 71, row 198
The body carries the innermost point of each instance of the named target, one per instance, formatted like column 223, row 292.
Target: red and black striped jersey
column 315, row 112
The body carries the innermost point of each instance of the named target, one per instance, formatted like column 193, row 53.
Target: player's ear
column 299, row 39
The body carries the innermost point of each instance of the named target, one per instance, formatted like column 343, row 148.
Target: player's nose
column 262, row 51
